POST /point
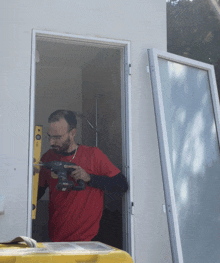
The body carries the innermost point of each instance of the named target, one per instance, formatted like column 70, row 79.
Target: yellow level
column 37, row 155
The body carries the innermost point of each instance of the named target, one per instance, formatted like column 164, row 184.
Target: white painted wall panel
column 143, row 23
column 14, row 130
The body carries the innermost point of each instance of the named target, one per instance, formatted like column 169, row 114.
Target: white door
column 187, row 113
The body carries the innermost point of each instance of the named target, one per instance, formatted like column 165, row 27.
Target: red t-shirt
column 75, row 215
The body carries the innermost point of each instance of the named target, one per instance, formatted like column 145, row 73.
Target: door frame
column 124, row 46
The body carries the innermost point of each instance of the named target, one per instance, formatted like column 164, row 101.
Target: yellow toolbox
column 63, row 252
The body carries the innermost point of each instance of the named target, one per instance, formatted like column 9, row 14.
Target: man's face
column 59, row 136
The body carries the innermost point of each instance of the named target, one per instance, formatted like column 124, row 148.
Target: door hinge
column 131, row 208
column 129, row 69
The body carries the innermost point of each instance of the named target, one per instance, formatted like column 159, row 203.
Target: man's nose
column 52, row 140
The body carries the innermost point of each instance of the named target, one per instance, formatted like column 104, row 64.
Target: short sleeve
column 103, row 165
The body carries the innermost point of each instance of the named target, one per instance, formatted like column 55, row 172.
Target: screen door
column 187, row 114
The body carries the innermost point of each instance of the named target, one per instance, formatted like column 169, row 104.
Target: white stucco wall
column 143, row 23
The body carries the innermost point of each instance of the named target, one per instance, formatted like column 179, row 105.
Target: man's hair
column 67, row 115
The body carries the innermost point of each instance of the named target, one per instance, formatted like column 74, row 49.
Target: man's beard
column 63, row 148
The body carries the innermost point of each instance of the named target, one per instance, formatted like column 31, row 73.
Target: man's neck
column 72, row 148
column 69, row 153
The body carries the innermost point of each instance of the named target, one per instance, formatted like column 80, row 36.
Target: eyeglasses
column 55, row 137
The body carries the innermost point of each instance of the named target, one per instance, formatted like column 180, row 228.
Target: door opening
column 87, row 76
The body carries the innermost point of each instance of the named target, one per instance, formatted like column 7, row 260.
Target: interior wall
column 101, row 85
column 57, row 88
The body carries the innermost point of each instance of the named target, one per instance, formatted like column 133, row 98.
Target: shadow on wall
column 39, row 225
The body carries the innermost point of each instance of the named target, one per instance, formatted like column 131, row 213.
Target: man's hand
column 79, row 173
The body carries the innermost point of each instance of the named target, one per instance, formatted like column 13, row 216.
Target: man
column 75, row 215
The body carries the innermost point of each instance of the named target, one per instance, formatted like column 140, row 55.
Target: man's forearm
column 115, row 184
